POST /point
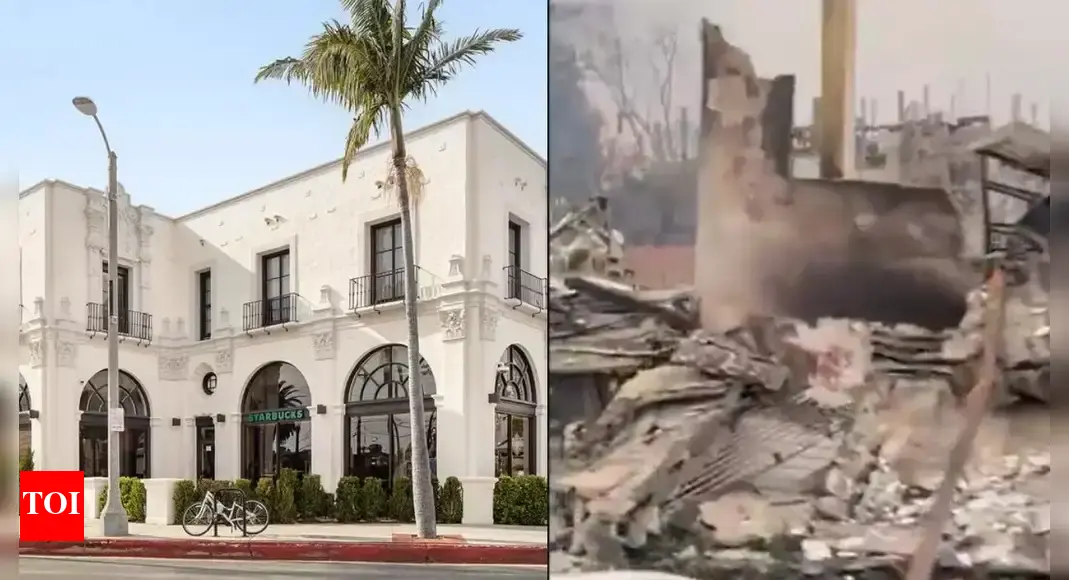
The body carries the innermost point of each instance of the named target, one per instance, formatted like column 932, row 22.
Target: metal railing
column 132, row 324
column 385, row 287
column 270, row 311
column 525, row 287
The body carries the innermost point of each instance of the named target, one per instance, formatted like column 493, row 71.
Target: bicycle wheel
column 198, row 519
column 256, row 517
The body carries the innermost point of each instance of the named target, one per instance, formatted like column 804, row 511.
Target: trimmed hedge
column 522, row 500
column 133, row 496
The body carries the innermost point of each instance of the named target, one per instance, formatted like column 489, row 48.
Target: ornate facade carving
column 37, row 352
column 224, row 361
column 66, row 354
column 488, row 318
column 323, row 345
column 173, row 368
column 452, row 323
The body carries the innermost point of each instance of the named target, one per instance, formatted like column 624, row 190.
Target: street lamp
column 113, row 519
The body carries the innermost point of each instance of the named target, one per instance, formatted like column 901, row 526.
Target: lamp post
column 113, row 520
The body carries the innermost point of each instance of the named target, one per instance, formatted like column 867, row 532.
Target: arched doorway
column 514, row 392
column 134, row 441
column 275, row 431
column 25, row 414
column 378, row 432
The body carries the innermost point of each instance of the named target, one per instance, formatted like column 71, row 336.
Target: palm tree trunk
column 422, row 492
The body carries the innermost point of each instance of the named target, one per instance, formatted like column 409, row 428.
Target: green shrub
column 400, row 506
column 436, row 491
column 328, row 500
column 533, row 496
column 265, row 492
column 26, row 461
column 133, row 497
column 451, row 503
column 285, row 496
column 185, row 494
column 349, row 504
column 312, row 499
column 246, row 487
column 374, row 499
column 521, row 501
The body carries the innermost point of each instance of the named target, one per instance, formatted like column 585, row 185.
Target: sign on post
column 117, row 419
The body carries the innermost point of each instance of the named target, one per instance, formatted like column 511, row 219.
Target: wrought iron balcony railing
column 132, row 324
column 270, row 311
column 525, row 287
column 380, row 288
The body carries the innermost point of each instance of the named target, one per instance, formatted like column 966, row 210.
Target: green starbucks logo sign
column 276, row 416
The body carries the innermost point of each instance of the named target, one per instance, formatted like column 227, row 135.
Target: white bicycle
column 201, row 516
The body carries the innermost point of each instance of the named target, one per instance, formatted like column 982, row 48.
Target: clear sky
column 173, row 81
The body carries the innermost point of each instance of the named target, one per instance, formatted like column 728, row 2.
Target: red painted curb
column 398, row 553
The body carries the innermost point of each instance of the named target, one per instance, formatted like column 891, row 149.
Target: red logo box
column 51, row 506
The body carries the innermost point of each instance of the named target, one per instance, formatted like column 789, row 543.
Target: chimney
column 1015, row 107
column 901, row 106
column 927, row 104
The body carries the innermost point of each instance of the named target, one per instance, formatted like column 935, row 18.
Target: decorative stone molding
column 135, row 229
column 66, row 354
column 326, row 300
column 488, row 264
column 456, row 266
column 173, row 368
column 452, row 323
column 323, row 345
column 224, row 361
column 38, row 309
column 488, row 318
column 37, row 353
column 65, row 309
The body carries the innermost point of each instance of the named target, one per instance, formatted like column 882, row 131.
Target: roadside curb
column 396, row 553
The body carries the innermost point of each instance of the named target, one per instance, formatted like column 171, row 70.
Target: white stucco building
column 267, row 330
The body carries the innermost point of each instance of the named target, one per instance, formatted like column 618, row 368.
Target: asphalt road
column 144, row 569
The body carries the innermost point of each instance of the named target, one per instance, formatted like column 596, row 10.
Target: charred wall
column 769, row 244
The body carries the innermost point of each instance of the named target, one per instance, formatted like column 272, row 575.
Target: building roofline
column 468, row 114
column 415, row 133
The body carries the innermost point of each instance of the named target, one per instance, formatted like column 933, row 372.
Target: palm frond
column 414, row 178
column 449, row 57
column 370, row 121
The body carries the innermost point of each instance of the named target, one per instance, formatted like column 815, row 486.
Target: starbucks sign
column 276, row 416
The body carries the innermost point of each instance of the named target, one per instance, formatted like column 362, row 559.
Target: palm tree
column 375, row 66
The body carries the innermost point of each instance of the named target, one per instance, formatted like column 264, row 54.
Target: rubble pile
column 780, row 444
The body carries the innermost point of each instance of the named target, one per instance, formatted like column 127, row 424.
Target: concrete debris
column 850, row 421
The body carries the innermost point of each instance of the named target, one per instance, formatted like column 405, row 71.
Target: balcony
column 268, row 312
column 374, row 290
column 525, row 288
column 132, row 324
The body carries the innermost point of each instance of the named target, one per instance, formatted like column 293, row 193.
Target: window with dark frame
column 275, row 291
column 387, row 263
column 204, row 288
column 123, row 296
column 515, row 259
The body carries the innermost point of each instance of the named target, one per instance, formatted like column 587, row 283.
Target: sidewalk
column 458, row 544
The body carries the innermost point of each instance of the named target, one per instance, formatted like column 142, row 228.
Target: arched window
column 514, row 390
column 378, row 431
column 134, row 441
column 275, row 430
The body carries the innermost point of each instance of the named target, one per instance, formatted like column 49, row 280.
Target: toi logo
column 51, row 506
